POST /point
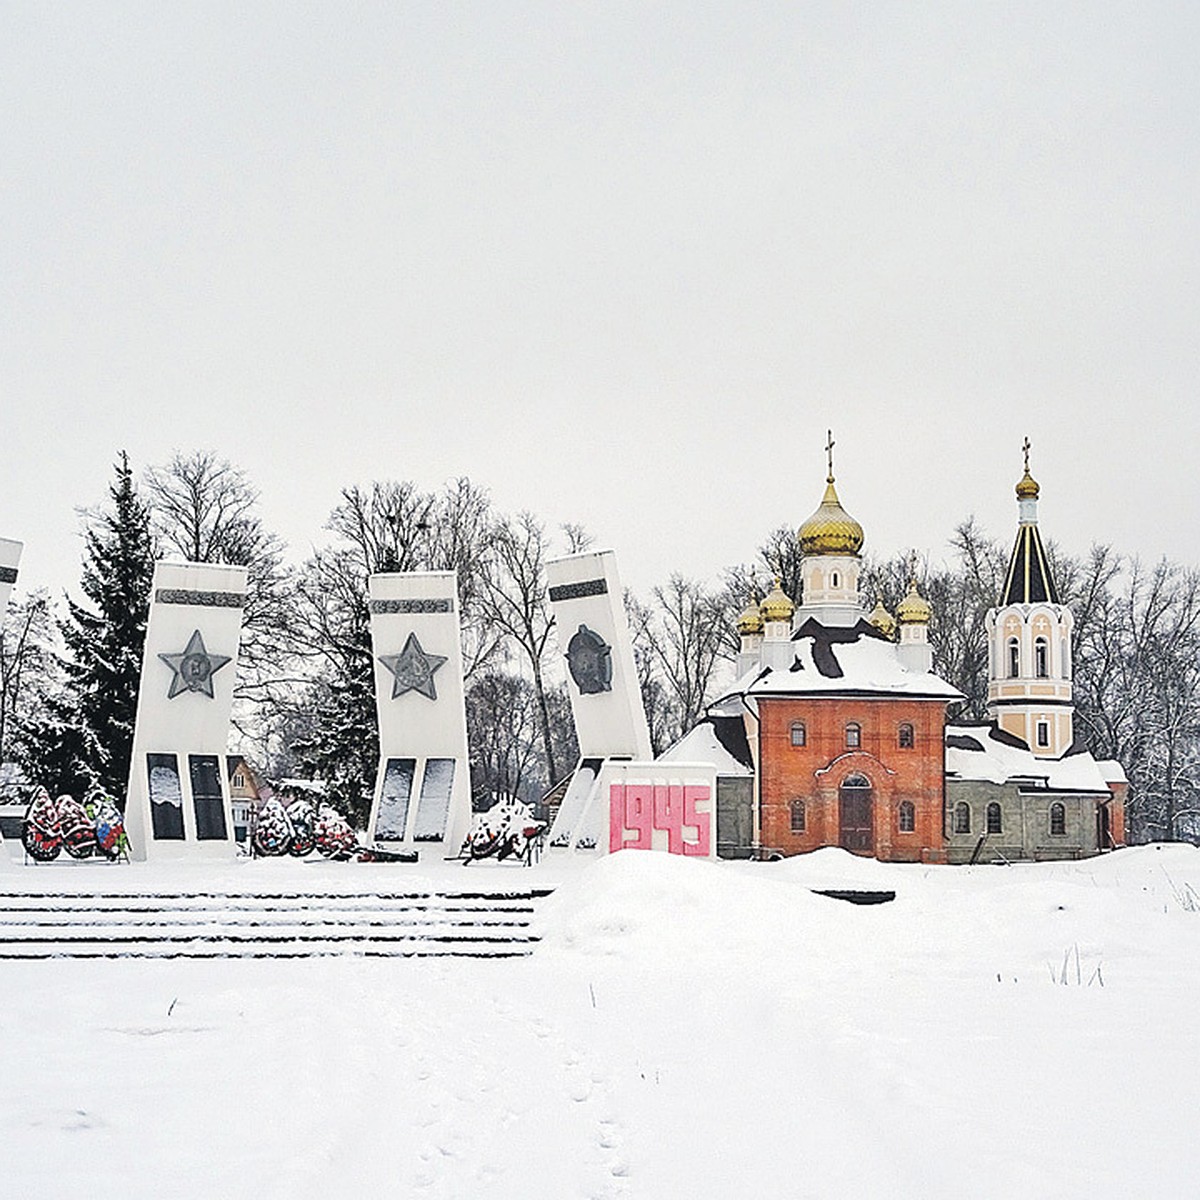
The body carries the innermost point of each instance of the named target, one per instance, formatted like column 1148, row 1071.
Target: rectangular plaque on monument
column 606, row 700
column 178, row 798
column 10, row 559
column 423, row 785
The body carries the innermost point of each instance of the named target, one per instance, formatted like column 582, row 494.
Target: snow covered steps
column 268, row 925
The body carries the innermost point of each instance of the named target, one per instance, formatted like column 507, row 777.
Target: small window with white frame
column 799, row 734
column 1043, row 733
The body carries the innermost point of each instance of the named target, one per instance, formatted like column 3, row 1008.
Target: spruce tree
column 105, row 639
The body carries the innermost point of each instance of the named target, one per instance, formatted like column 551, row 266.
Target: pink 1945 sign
column 681, row 810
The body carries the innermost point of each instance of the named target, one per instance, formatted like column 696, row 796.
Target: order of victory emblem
column 589, row 658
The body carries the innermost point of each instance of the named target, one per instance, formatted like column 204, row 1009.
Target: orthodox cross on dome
column 413, row 669
column 829, row 445
column 1025, row 448
column 194, row 668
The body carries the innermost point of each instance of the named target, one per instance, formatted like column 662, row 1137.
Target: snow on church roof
column 837, row 660
column 984, row 753
column 710, row 741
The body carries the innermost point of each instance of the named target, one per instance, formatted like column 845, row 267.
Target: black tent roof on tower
column 1029, row 579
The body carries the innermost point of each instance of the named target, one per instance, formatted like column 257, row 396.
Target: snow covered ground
column 686, row 1029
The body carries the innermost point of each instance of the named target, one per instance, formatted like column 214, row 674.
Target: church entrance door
column 856, row 812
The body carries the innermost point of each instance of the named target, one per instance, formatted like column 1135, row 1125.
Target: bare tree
column 662, row 713
column 690, row 624
column 517, row 602
column 204, row 509
column 27, row 671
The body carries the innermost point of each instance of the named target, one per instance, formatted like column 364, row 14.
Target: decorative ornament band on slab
column 200, row 599
column 413, row 669
column 589, row 658
column 437, row 605
column 577, row 591
column 194, row 668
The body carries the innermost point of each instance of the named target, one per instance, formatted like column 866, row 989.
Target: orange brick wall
column 815, row 771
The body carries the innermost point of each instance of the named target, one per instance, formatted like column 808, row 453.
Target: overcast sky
column 622, row 264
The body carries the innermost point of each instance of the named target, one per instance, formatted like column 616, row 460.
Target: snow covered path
column 686, row 1030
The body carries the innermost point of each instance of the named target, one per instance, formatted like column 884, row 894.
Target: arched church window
column 1014, row 658
column 1058, row 818
column 799, row 734
column 1041, row 657
column 1065, row 658
column 835, row 580
column 993, row 818
column 962, row 817
column 908, row 816
column 853, row 736
column 905, row 736
column 797, row 815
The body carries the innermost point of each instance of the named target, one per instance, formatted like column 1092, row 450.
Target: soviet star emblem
column 412, row 669
column 194, row 668
column 589, row 659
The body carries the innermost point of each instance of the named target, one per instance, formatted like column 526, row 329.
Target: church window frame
column 798, row 734
column 1065, row 655
column 1058, row 819
column 1014, row 658
column 994, row 818
column 906, row 817
column 906, row 737
column 835, row 580
column 853, row 736
column 798, row 816
column 962, row 817
column 1041, row 656
column 1042, row 734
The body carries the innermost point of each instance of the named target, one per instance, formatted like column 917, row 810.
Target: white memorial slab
column 178, row 799
column 606, row 701
column 661, row 805
column 423, row 785
column 10, row 558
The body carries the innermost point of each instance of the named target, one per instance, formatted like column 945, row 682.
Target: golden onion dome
column 831, row 529
column 1027, row 488
column 914, row 609
column 776, row 606
column 883, row 620
column 750, row 619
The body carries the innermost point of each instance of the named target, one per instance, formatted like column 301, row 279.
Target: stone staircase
column 291, row 924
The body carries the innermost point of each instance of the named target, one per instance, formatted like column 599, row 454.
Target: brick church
column 836, row 733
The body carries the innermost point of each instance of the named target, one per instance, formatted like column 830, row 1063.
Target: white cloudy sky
column 622, row 264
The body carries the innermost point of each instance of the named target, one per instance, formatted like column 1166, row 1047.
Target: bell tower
column 1029, row 641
